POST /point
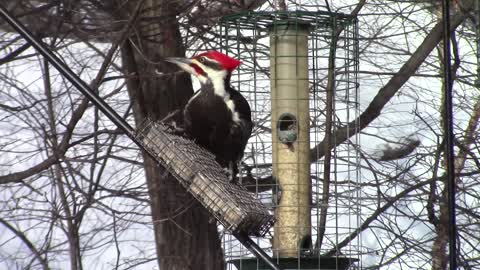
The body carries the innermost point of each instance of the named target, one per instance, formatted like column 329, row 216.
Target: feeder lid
column 289, row 23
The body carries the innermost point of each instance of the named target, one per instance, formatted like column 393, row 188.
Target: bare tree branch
column 391, row 87
column 28, row 243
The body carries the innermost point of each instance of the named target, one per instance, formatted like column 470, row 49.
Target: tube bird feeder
column 284, row 75
column 290, row 136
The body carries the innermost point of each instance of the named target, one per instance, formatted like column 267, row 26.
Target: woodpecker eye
column 202, row 59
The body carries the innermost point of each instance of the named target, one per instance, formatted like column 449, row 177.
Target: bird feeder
column 290, row 135
column 284, row 75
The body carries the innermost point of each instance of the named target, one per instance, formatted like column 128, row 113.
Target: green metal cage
column 329, row 55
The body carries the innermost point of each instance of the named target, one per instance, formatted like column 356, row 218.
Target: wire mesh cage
column 299, row 73
column 195, row 168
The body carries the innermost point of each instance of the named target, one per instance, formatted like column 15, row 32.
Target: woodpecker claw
column 229, row 174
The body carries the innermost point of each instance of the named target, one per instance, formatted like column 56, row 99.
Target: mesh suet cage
column 299, row 73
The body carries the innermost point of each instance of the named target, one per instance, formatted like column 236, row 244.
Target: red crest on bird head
column 226, row 61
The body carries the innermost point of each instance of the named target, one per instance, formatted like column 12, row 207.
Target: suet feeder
column 197, row 171
column 285, row 74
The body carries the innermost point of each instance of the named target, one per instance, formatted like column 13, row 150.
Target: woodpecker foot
column 176, row 130
column 172, row 120
column 172, row 117
column 211, row 220
column 229, row 174
column 179, row 131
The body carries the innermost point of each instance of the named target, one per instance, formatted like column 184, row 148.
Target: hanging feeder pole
column 111, row 114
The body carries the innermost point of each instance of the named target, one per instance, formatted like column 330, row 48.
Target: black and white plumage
column 217, row 117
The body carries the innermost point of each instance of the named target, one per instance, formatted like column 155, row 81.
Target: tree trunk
column 185, row 237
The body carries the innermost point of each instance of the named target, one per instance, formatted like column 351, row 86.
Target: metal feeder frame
column 287, row 81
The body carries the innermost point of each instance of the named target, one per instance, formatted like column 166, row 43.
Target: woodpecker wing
column 243, row 128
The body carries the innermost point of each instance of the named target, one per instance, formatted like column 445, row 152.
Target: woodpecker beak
column 178, row 60
column 183, row 63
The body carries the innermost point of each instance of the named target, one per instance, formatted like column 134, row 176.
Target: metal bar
column 109, row 112
column 68, row 73
column 449, row 136
column 256, row 250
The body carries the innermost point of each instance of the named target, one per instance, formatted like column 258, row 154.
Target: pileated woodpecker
column 217, row 117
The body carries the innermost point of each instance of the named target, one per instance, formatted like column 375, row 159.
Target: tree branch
column 27, row 242
column 76, row 115
column 390, row 89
